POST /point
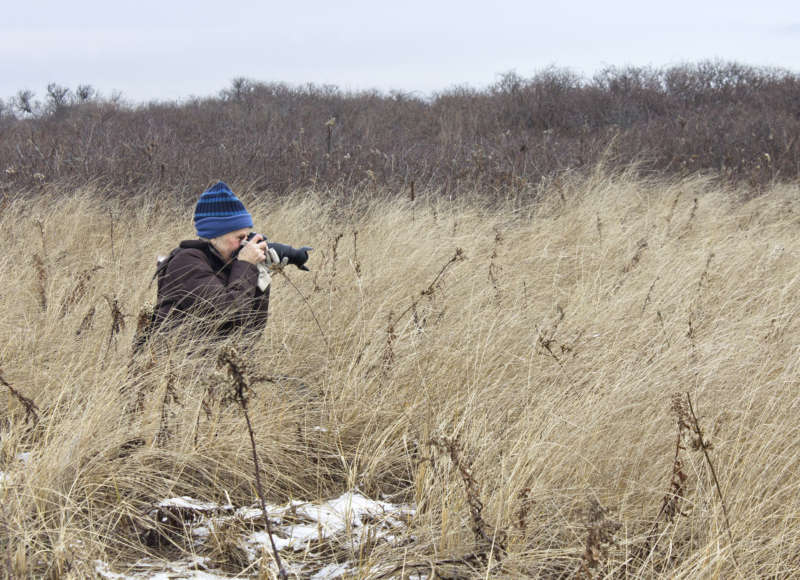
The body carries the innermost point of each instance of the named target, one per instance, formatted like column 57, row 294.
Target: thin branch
column 311, row 310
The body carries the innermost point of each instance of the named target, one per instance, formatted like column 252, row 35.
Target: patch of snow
column 249, row 513
column 193, row 568
column 331, row 571
column 262, row 540
column 349, row 512
column 299, row 536
column 104, row 571
column 329, row 520
column 352, row 508
column 297, row 525
column 202, row 531
column 189, row 503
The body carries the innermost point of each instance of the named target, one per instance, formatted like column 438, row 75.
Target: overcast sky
column 171, row 49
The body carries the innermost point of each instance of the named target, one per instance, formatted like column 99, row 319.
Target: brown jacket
column 203, row 294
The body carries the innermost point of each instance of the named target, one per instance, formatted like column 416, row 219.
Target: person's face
column 227, row 244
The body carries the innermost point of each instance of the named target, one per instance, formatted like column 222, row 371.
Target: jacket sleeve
column 190, row 282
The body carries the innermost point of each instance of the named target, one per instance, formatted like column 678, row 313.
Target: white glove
column 264, row 278
column 271, row 263
column 274, row 263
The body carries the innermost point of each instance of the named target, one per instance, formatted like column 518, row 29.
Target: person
column 217, row 285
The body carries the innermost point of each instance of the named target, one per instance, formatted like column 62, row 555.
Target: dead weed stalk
column 484, row 536
column 356, row 262
column 493, row 267
column 388, row 351
column 334, row 257
column 86, row 322
column 546, row 337
column 525, row 502
column 41, row 281
column 701, row 443
column 641, row 246
column 117, row 320
column 600, row 537
column 231, row 360
column 687, row 424
column 676, row 493
column 78, row 291
column 431, row 288
column 170, row 396
column 31, row 410
column 649, row 294
column 388, row 358
column 483, row 532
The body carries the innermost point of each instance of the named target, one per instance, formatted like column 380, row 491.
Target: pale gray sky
column 169, row 49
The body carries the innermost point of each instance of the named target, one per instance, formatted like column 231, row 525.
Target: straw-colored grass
column 544, row 359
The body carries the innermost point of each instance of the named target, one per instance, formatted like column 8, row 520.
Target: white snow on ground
column 334, row 518
column 297, row 526
column 331, row 571
column 187, row 502
column 189, row 569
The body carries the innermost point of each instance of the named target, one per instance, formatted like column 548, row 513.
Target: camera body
column 296, row 256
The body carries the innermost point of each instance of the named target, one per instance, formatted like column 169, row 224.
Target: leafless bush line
column 735, row 121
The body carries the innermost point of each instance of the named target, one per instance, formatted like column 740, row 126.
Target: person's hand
column 274, row 263
column 270, row 263
column 254, row 251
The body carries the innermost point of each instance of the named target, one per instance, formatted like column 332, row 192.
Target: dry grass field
column 601, row 385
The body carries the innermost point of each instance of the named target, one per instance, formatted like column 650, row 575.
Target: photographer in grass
column 217, row 285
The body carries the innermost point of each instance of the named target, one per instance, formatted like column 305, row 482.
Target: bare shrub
column 737, row 122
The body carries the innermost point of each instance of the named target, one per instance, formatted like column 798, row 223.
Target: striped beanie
column 219, row 212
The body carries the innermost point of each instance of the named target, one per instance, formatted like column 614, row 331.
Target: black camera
column 296, row 256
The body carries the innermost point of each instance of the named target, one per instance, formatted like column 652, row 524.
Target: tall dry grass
column 518, row 374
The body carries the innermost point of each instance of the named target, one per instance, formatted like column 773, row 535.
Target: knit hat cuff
column 213, row 227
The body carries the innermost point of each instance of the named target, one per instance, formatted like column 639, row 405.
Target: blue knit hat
column 219, row 212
